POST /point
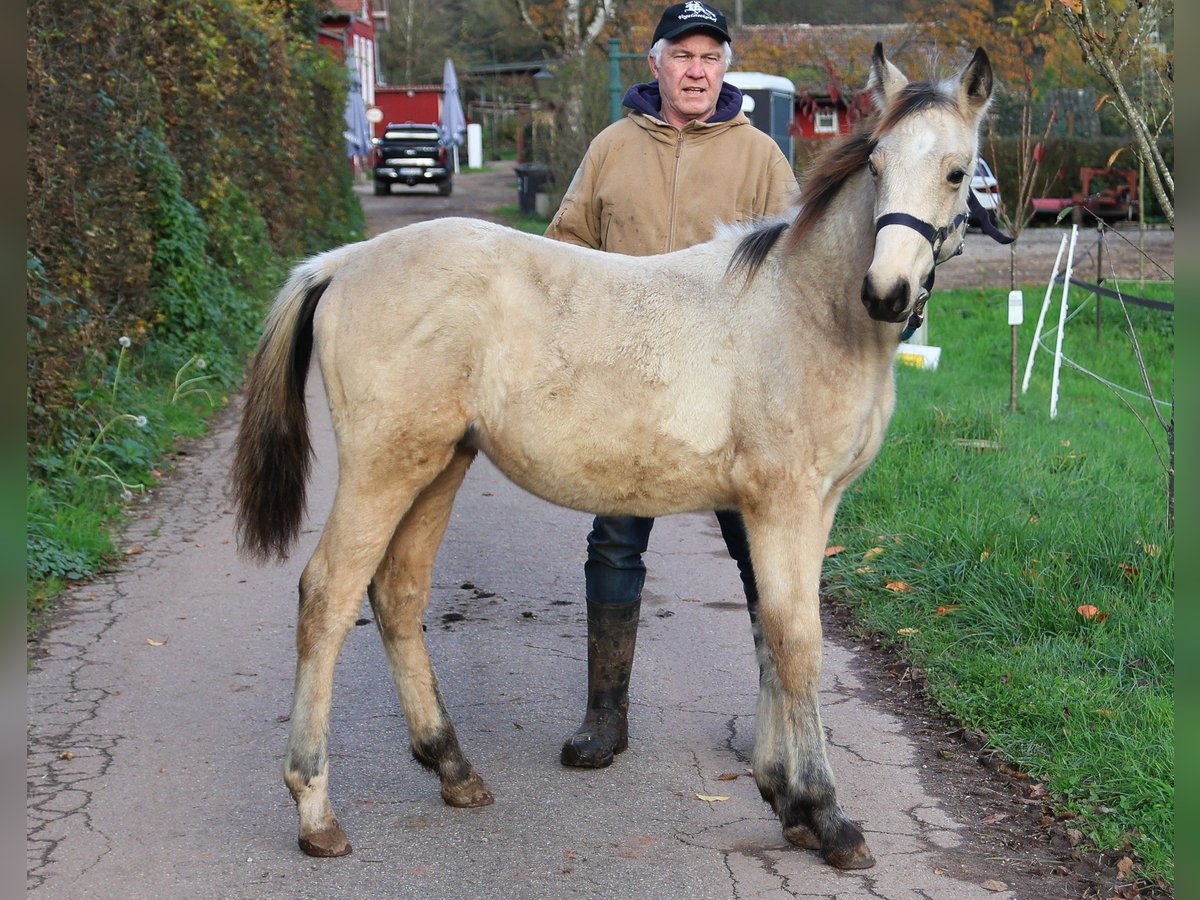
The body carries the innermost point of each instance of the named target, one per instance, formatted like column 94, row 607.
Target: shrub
column 180, row 155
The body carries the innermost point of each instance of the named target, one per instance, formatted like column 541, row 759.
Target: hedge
column 180, row 154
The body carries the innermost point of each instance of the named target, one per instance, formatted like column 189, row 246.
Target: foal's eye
column 872, row 168
column 956, row 177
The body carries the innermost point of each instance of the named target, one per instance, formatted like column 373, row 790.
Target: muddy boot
column 612, row 632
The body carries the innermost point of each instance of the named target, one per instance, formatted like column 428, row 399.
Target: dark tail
column 273, row 454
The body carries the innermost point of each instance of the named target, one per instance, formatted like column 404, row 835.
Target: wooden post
column 1012, row 402
column 1099, row 271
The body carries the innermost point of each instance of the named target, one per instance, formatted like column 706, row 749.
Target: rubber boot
column 612, row 633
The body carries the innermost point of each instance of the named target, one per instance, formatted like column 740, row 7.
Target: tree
column 1113, row 35
column 576, row 32
column 414, row 48
column 571, row 27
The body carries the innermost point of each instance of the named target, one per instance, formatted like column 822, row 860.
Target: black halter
column 937, row 238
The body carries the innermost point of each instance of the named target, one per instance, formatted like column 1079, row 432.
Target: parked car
column 411, row 153
column 987, row 191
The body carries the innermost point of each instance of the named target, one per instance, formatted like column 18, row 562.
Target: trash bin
column 531, row 180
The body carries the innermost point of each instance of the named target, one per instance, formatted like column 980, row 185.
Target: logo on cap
column 695, row 9
column 692, row 15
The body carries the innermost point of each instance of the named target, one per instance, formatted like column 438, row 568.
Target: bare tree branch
column 1110, row 37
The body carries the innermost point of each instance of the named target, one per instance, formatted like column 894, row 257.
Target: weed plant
column 1024, row 563
column 132, row 412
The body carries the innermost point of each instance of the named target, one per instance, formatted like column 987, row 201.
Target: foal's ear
column 885, row 80
column 975, row 84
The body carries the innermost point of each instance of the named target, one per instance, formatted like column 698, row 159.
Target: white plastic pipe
column 474, row 145
column 1037, row 332
column 1062, row 323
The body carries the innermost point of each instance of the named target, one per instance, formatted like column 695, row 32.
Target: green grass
column 82, row 484
column 1000, row 524
column 512, row 215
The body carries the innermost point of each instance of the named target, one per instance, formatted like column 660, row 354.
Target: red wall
column 336, row 32
column 413, row 104
column 804, row 126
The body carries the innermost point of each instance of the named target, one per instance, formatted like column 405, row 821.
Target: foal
column 750, row 377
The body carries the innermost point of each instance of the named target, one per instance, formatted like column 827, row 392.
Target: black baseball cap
column 693, row 15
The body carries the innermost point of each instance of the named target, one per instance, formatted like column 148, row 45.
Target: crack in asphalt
column 731, row 734
column 56, row 752
column 61, row 705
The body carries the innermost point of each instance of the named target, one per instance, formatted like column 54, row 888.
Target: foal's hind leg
column 370, row 501
column 790, row 765
column 399, row 595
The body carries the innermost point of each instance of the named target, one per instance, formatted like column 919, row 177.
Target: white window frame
column 825, row 121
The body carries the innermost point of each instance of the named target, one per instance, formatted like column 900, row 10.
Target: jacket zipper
column 675, row 191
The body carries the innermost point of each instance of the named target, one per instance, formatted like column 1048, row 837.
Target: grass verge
column 1025, row 564
column 513, row 217
column 134, row 410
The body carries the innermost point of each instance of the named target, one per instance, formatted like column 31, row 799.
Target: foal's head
column 920, row 154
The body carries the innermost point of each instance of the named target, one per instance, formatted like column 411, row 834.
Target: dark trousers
column 614, row 572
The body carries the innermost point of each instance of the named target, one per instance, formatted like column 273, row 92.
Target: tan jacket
column 646, row 187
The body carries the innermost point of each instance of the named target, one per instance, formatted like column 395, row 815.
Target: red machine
column 1117, row 199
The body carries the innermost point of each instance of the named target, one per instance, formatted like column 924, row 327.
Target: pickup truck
column 412, row 154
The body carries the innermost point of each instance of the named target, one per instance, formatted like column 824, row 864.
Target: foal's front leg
column 790, row 765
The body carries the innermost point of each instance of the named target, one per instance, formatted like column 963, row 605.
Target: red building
column 349, row 30
column 406, row 103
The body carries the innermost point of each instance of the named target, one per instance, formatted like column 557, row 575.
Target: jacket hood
column 646, row 98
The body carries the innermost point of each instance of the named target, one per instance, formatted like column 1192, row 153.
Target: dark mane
column 754, row 247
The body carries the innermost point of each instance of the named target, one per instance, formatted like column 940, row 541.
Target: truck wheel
column 382, row 188
column 444, row 188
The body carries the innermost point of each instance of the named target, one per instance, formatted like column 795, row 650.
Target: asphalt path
column 158, row 704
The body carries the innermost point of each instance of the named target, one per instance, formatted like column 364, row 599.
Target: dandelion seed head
column 125, row 342
column 126, row 496
column 201, row 363
column 140, row 421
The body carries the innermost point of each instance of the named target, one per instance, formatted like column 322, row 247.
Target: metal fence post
column 614, row 76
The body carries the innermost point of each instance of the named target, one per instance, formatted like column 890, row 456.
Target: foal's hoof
column 469, row 794
column 856, row 857
column 327, row 842
column 802, row 836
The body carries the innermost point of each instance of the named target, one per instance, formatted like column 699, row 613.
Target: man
column 682, row 161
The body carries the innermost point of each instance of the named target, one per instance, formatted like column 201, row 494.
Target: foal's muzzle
column 894, row 302
column 886, row 304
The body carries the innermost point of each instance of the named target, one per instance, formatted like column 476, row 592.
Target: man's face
column 689, row 73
